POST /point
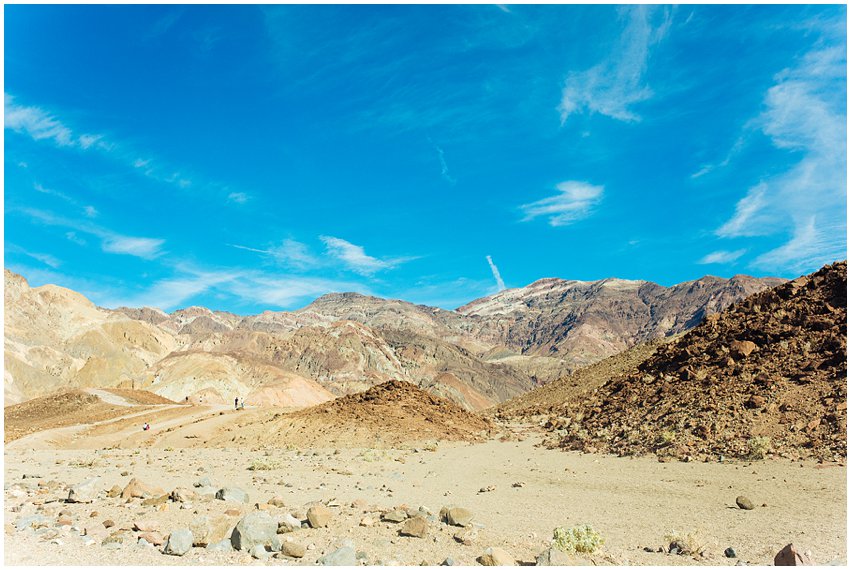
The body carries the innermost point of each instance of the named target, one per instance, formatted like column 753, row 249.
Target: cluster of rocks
column 766, row 377
column 264, row 531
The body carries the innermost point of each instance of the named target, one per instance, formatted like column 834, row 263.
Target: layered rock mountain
column 481, row 354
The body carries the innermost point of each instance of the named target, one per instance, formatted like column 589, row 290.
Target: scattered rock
column 259, row 551
column 146, row 526
column 277, row 502
column 220, row 546
column 554, row 557
column 114, row 491
column 84, row 492
column 118, row 539
column 154, row 538
column 790, row 555
column 293, row 549
column 232, row 494
column 744, row 503
column 108, row 523
column 742, row 348
column 233, row 512
column 416, row 527
column 466, row 536
column 30, row 521
column 487, row 489
column 495, row 557
column 319, row 516
column 207, row 530
column 203, row 482
column 456, row 516
column 257, row 528
column 288, row 524
column 344, row 556
column 730, row 552
column 395, row 516
column 179, row 542
column 367, row 521
column 518, row 484
column 182, row 495
column 136, row 489
column 155, row 501
column 448, row 562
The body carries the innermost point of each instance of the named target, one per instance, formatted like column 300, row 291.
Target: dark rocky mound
column 766, row 377
column 392, row 412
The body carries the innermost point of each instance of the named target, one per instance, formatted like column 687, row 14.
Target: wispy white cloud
column 74, row 238
column 722, row 256
column 111, row 242
column 613, row 86
column 444, row 169
column 574, row 201
column 90, row 211
column 45, row 258
column 355, row 258
column 41, row 125
column 500, row 284
column 289, row 252
column 804, row 113
column 238, row 197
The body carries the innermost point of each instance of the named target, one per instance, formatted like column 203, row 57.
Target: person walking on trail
column 146, row 426
column 236, row 403
column 242, row 404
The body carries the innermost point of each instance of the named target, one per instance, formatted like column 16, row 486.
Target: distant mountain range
column 483, row 353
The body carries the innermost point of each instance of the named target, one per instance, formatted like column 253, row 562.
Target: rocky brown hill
column 767, row 376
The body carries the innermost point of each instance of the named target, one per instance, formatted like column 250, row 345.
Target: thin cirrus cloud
column 574, row 201
column 614, row 85
column 111, row 242
column 354, row 257
column 722, row 256
column 44, row 126
column 804, row 113
column 289, row 253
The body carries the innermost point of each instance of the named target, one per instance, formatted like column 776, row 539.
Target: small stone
column 518, row 484
column 203, row 482
column 288, row 524
column 182, row 495
column 146, row 526
column 233, row 512
column 259, row 551
column 466, row 536
column 554, row 557
column 136, row 489
column 114, row 491
column 179, row 542
column 456, row 516
column 730, row 552
column 84, row 492
column 395, row 516
column 155, row 501
column 790, row 555
column 319, row 516
column 207, row 530
column 152, row 537
column 117, row 539
column 416, row 527
column 367, row 521
column 293, row 549
column 124, row 473
column 277, row 502
column 108, row 523
column 448, row 562
column 64, row 521
column 344, row 556
column 220, row 546
column 496, row 557
column 744, row 503
column 232, row 494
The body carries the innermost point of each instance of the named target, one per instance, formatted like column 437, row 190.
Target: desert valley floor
column 517, row 491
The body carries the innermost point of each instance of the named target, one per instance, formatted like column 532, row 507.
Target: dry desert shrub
column 579, row 539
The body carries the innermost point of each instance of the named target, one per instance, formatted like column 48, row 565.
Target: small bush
column 758, row 447
column 264, row 465
column 691, row 544
column 579, row 539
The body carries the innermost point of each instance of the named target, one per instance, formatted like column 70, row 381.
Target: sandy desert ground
column 517, row 491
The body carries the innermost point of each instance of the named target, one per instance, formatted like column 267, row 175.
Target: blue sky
column 251, row 158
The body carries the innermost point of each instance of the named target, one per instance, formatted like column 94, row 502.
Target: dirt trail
column 110, row 398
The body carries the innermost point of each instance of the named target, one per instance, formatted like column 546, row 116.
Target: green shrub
column 579, row 539
column 758, row 447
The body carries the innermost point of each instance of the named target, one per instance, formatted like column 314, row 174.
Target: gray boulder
column 232, row 494
column 345, row 556
column 179, row 542
column 84, row 492
column 221, row 546
column 256, row 528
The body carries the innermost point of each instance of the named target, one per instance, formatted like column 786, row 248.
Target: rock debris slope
column 767, row 376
